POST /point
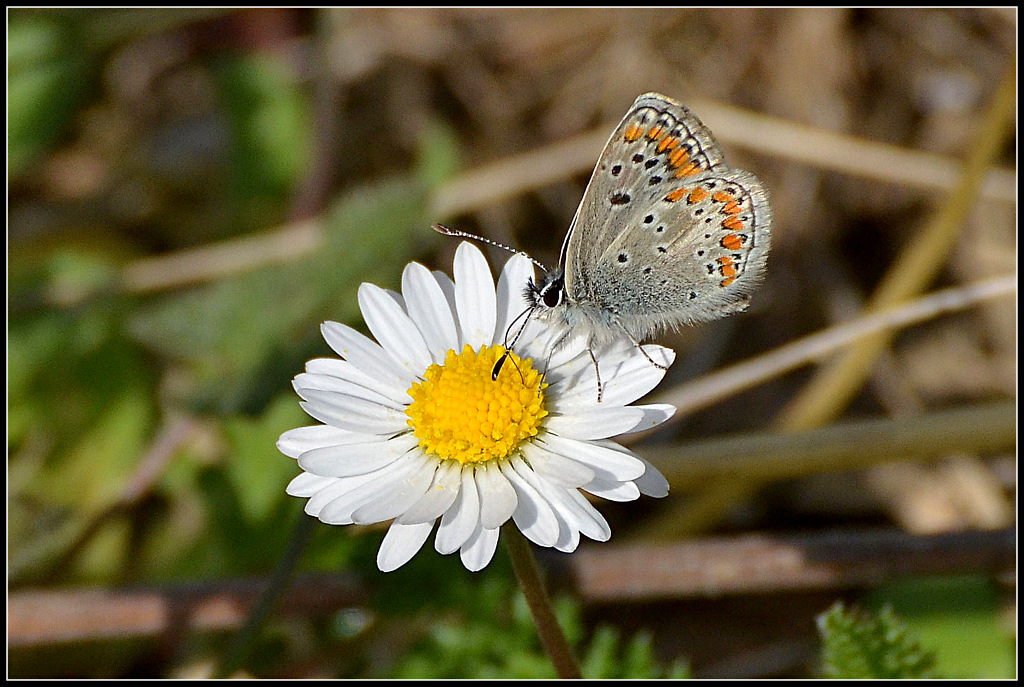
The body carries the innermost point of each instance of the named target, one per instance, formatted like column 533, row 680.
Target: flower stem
column 551, row 636
column 241, row 647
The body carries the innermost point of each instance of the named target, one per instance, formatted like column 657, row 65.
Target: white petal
column 595, row 423
column 652, row 482
column 556, row 468
column 562, row 353
column 474, row 295
column 341, row 486
column 395, row 500
column 588, row 518
column 439, row 496
column 343, row 369
column 401, row 543
column 573, row 519
column 305, row 484
column 497, row 496
column 295, row 442
column 459, row 521
column 604, row 461
column 533, row 514
column 347, row 460
column 448, row 289
column 394, row 329
column 654, row 415
column 369, row 357
column 613, row 490
column 570, row 367
column 544, row 344
column 624, row 379
column 354, row 414
column 568, row 536
column 339, row 510
column 430, row 310
column 511, row 304
column 306, row 381
column 477, row 552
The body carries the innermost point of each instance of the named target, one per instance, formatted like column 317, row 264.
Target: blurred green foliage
column 860, row 645
column 495, row 638
column 920, row 628
column 270, row 121
column 958, row 619
column 47, row 75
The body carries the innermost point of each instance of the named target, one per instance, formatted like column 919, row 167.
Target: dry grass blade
column 714, row 387
column 763, row 564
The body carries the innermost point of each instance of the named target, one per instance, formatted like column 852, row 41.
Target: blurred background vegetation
column 191, row 192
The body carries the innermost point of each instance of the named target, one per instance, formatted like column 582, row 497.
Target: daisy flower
column 416, row 430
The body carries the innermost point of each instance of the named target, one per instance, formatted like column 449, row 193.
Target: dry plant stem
column 982, row 428
column 833, row 388
column 826, row 395
column 551, row 636
column 78, row 536
column 707, row 390
column 174, row 613
column 243, row 643
column 835, row 559
column 834, row 151
column 763, row 457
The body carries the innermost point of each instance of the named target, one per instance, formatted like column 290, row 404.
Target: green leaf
column 257, row 471
column 46, row 77
column 859, row 645
column 232, row 332
column 960, row 619
column 269, row 116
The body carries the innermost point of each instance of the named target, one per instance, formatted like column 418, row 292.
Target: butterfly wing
column 657, row 138
column 666, row 233
column 698, row 259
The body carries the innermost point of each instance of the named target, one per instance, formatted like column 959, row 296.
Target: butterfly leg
column 597, row 372
column 547, row 363
column 641, row 349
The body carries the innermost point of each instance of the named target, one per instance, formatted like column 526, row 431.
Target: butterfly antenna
column 448, row 231
column 509, row 346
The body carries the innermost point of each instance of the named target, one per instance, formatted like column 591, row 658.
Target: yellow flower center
column 460, row 412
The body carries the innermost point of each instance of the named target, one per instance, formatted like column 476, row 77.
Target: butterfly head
column 549, row 293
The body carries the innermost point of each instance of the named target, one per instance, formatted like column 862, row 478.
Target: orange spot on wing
column 696, row 195
column 676, row 195
column 688, row 171
column 632, row 133
column 667, row 144
column 732, row 223
column 732, row 242
column 732, row 208
column 722, row 197
column 678, row 157
column 655, row 132
column 727, row 281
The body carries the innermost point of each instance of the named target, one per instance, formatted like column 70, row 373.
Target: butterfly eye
column 552, row 295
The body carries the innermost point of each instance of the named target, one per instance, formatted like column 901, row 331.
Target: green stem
column 551, row 636
column 244, row 642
